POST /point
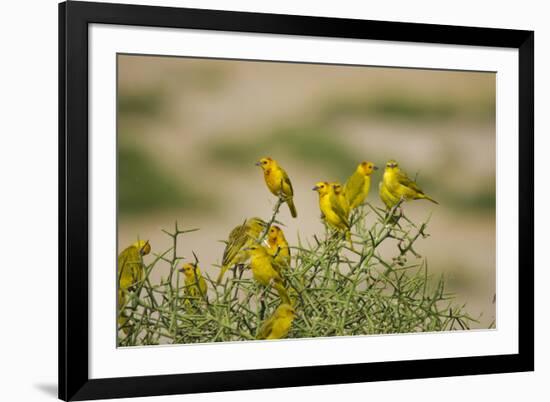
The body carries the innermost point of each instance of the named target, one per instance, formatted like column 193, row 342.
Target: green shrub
column 335, row 290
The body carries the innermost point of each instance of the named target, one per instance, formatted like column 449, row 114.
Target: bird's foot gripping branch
column 321, row 287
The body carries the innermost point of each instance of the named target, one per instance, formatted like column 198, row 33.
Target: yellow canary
column 263, row 271
column 277, row 246
column 400, row 186
column 278, row 182
column 332, row 212
column 358, row 184
column 193, row 277
column 278, row 325
column 130, row 272
column 239, row 238
column 340, row 197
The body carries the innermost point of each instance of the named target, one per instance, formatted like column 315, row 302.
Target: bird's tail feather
column 222, row 272
column 430, row 199
column 282, row 292
column 348, row 238
column 290, row 203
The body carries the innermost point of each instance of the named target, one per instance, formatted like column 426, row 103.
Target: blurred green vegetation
column 479, row 200
column 408, row 107
column 483, row 200
column 144, row 187
column 141, row 103
column 313, row 144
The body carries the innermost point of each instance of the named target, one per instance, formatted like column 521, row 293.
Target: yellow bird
column 240, row 237
column 330, row 207
column 277, row 246
column 264, row 272
column 130, row 271
column 358, row 184
column 278, row 325
column 341, row 198
column 400, row 186
column 193, row 277
column 278, row 182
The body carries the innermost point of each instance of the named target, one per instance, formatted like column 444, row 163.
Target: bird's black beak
column 258, row 163
column 315, row 188
column 375, row 168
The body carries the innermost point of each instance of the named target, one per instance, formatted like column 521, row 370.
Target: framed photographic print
column 257, row 200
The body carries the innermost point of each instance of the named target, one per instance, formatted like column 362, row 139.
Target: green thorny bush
column 336, row 290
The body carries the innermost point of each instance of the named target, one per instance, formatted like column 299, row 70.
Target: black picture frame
column 74, row 18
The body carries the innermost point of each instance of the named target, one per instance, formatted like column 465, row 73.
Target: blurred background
column 190, row 131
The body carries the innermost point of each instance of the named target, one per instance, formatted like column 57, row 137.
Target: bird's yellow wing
column 354, row 186
column 203, row 286
column 236, row 241
column 404, row 180
column 286, row 180
column 266, row 328
column 254, row 227
column 337, row 208
column 130, row 269
column 283, row 258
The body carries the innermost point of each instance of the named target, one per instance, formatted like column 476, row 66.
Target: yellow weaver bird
column 332, row 212
column 358, row 184
column 264, row 272
column 195, row 285
column 240, row 237
column 341, row 198
column 277, row 246
column 396, row 184
column 130, row 271
column 278, row 182
column 278, row 325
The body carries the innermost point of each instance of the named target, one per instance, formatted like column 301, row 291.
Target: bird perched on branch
column 358, row 184
column 195, row 285
column 239, row 238
column 278, row 325
column 331, row 209
column 278, row 182
column 277, row 246
column 396, row 185
column 130, row 271
column 264, row 272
